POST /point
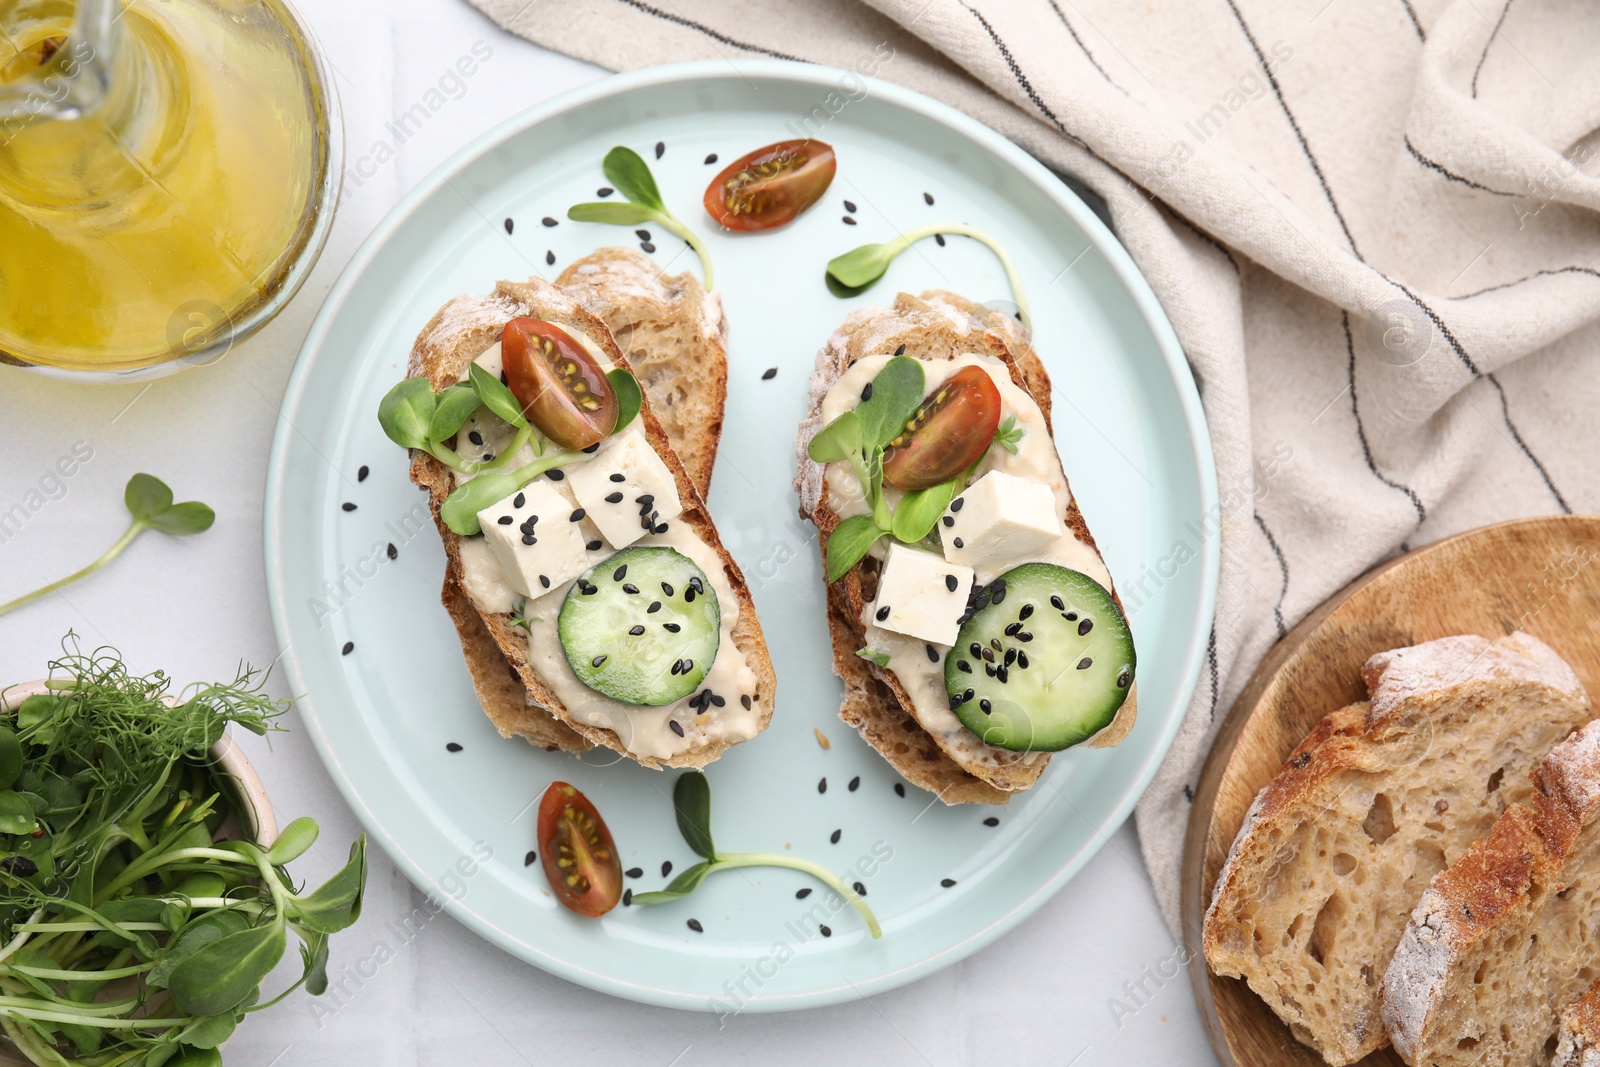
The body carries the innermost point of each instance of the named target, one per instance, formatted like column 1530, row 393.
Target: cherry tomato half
column 577, row 852
column 561, row 388
column 947, row 433
column 770, row 186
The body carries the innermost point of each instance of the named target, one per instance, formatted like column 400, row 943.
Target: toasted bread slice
column 675, row 336
column 937, row 325
column 1503, row 938
column 1337, row 848
column 1578, row 1041
column 461, row 331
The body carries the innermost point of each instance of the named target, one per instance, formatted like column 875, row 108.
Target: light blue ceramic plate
column 1128, row 422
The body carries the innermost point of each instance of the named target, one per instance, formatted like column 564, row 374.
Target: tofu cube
column 627, row 489
column 1000, row 521
column 921, row 595
column 534, row 539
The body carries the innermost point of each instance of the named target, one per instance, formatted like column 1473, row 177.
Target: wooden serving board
column 1538, row 575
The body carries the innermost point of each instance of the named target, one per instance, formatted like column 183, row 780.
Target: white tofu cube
column 1000, row 521
column 627, row 489
column 920, row 595
column 535, row 541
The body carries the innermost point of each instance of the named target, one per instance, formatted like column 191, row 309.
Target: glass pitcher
column 168, row 175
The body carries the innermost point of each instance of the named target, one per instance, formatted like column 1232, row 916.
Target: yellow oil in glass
column 145, row 226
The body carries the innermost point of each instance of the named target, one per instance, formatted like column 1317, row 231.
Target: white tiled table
column 196, row 607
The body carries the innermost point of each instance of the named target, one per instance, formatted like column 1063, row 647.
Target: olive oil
column 146, row 222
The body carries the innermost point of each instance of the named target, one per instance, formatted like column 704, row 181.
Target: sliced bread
column 936, row 325
column 1337, row 848
column 463, row 329
column 1578, row 1041
column 1505, row 937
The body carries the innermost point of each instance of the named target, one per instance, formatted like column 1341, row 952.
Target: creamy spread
column 643, row 730
column 1036, row 459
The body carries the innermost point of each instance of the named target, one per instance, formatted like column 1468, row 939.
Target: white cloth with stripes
column 1372, row 223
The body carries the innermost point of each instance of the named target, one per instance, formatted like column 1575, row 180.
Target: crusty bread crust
column 457, row 335
column 1578, row 1043
column 1502, row 939
column 935, row 325
column 1335, row 850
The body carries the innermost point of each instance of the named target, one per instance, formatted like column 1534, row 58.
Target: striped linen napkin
column 1372, row 224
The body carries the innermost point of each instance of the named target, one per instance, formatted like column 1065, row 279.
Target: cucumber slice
column 641, row 627
column 1043, row 661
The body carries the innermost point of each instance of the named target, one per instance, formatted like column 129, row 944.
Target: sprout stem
column 672, row 225
column 815, row 870
column 137, row 527
column 910, row 237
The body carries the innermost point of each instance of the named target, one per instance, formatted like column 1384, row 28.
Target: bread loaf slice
column 462, row 330
column 1337, row 848
column 1578, row 1040
column 1504, row 938
column 936, row 325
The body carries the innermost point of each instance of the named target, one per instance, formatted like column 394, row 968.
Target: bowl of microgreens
column 143, row 892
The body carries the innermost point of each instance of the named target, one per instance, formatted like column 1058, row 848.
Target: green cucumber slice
column 642, row 627
column 1043, row 661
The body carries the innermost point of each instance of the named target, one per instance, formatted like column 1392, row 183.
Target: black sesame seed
column 823, row 930
column 900, row 351
column 548, row 221
column 519, row 500
column 635, row 631
column 848, row 221
column 950, row 582
column 618, row 477
column 604, row 191
column 349, row 647
column 947, row 882
column 855, row 783
column 549, row 257
column 655, row 606
column 671, row 627
column 745, row 700
column 960, row 543
column 598, row 661
column 716, row 700
column 348, row 506
column 673, row 725
column 634, row 872
column 593, row 546
column 527, row 861
column 544, row 580
column 822, row 785
column 660, row 148
column 576, row 515
column 1085, row 663
column 510, row 225
column 949, row 522
column 529, row 539
column 592, row 449
column 694, row 924
column 361, row 475
column 647, row 246
column 882, row 613
column 666, row 868
column 712, row 158
column 866, row 393
column 997, row 592
column 933, row 653
column 588, row 588
column 627, row 898
column 860, row 889
column 769, row 374
column 645, row 500
column 1085, row 626
column 834, row 837
column 452, row 747
column 801, row 894
column 939, row 237
column 555, row 474
column 991, row 821
column 958, row 503
column 661, row 529
column 900, row 789
column 848, row 206
column 393, row 552
column 928, row 199
column 475, row 437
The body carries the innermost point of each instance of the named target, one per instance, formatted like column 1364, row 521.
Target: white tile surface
column 197, row 607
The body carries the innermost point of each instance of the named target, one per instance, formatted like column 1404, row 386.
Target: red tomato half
column 770, row 186
column 561, row 388
column 577, row 852
column 949, row 432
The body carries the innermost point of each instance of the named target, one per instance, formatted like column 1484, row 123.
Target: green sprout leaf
column 872, row 655
column 686, row 882
column 630, row 398
column 293, row 842
column 837, row 441
column 149, row 502
column 337, row 904
column 896, row 392
column 406, row 412
column 10, row 758
column 456, row 405
column 919, row 509
column 631, row 175
column 314, row 957
column 218, row 977
column 859, row 269
column 461, row 507
column 1009, row 435
column 691, row 800
column 850, row 541
column 496, row 396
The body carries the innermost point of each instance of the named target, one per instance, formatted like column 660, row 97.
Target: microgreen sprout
column 691, row 800
column 149, row 502
column 860, row 268
column 1009, row 435
column 631, row 175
